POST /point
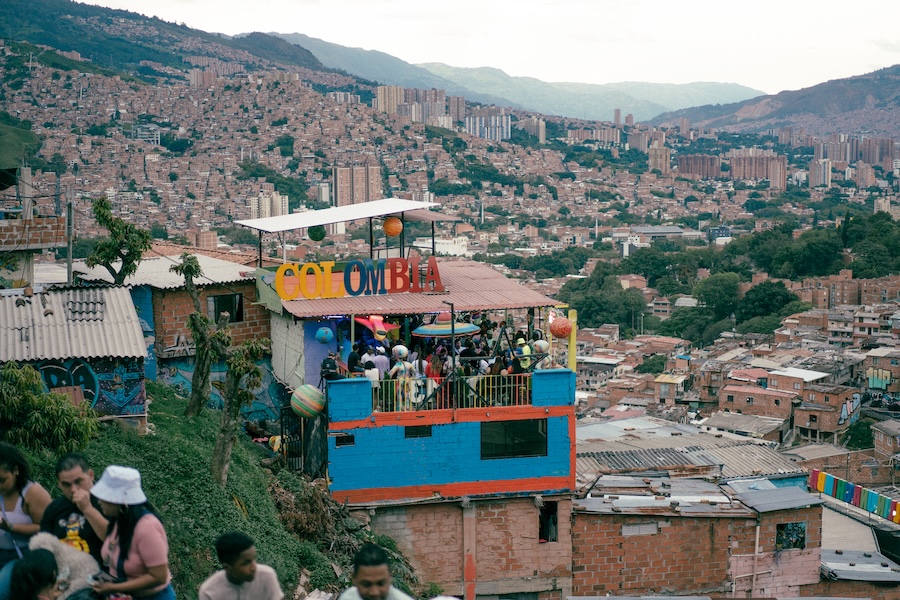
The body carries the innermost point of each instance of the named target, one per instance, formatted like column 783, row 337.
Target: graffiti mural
column 850, row 410
column 112, row 386
column 178, row 372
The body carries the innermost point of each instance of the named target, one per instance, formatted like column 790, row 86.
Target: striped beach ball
column 307, row 401
column 541, row 346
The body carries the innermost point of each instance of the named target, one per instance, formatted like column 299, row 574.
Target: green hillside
column 293, row 522
column 15, row 145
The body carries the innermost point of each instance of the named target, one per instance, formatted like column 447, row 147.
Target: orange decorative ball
column 393, row 226
column 561, row 327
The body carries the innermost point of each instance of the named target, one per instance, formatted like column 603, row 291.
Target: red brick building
column 687, row 537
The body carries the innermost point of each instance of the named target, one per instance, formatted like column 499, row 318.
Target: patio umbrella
column 441, row 328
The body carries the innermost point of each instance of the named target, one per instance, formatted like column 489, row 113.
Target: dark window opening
column 548, row 521
column 233, row 304
column 790, row 535
column 813, row 418
column 344, row 439
column 729, row 398
column 417, row 431
column 514, row 439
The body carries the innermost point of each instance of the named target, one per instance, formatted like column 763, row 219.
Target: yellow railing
column 393, row 395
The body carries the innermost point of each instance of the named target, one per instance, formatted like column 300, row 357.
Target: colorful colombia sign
column 359, row 278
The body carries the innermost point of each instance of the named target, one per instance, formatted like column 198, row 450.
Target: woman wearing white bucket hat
column 136, row 551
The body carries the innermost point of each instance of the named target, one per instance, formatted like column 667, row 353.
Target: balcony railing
column 459, row 391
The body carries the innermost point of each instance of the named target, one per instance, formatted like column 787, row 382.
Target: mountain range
column 865, row 104
column 489, row 85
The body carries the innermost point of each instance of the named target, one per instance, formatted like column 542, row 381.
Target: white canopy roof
column 338, row 214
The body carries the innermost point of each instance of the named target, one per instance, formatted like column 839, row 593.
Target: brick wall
column 779, row 573
column 851, row 589
column 172, row 307
column 508, row 554
column 32, row 234
column 691, row 555
column 686, row 556
column 858, row 467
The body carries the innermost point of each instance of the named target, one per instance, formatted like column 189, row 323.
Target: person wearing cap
column 136, row 551
column 382, row 362
column 524, row 360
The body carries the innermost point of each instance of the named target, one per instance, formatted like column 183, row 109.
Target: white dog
column 73, row 564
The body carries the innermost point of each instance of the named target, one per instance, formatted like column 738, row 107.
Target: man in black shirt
column 353, row 360
column 76, row 518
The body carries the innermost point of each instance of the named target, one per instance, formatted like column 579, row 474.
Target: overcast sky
column 770, row 45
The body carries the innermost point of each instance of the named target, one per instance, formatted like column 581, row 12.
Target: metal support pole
column 371, row 240
column 260, row 249
column 452, row 336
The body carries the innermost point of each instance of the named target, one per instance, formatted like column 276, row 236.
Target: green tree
column 122, row 251
column 32, row 418
column 243, row 376
column 158, row 231
column 655, row 364
column 719, row 293
column 210, row 342
column 764, row 299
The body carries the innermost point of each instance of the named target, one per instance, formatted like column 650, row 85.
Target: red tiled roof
column 470, row 286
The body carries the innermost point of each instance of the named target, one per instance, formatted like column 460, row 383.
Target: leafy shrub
column 33, row 418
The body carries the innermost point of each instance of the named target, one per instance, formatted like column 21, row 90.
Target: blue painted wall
column 143, row 302
column 383, row 457
column 267, row 399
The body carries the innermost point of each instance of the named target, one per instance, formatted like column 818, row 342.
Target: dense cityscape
column 696, row 329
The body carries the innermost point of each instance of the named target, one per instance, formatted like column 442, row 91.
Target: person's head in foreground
column 371, row 574
column 237, row 553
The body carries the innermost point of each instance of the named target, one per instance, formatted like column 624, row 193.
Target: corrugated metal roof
column 640, row 460
column 338, row 214
column 812, row 451
column 72, row 323
column 156, row 272
column 854, row 565
column 471, row 286
column 754, row 460
column 750, row 424
column 778, row 499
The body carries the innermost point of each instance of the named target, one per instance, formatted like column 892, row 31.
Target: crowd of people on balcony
column 489, row 368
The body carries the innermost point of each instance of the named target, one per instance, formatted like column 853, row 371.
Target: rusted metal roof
column 72, row 323
column 470, row 286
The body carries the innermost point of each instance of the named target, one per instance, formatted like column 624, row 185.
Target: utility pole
column 70, row 229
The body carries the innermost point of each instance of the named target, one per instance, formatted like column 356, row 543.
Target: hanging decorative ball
column 316, row 233
column 561, row 327
column 393, row 226
column 307, row 401
column 400, row 352
column 324, row 335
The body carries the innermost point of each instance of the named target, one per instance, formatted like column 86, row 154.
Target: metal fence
column 459, row 391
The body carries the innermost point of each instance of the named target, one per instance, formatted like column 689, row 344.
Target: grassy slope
column 174, row 463
column 15, row 144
